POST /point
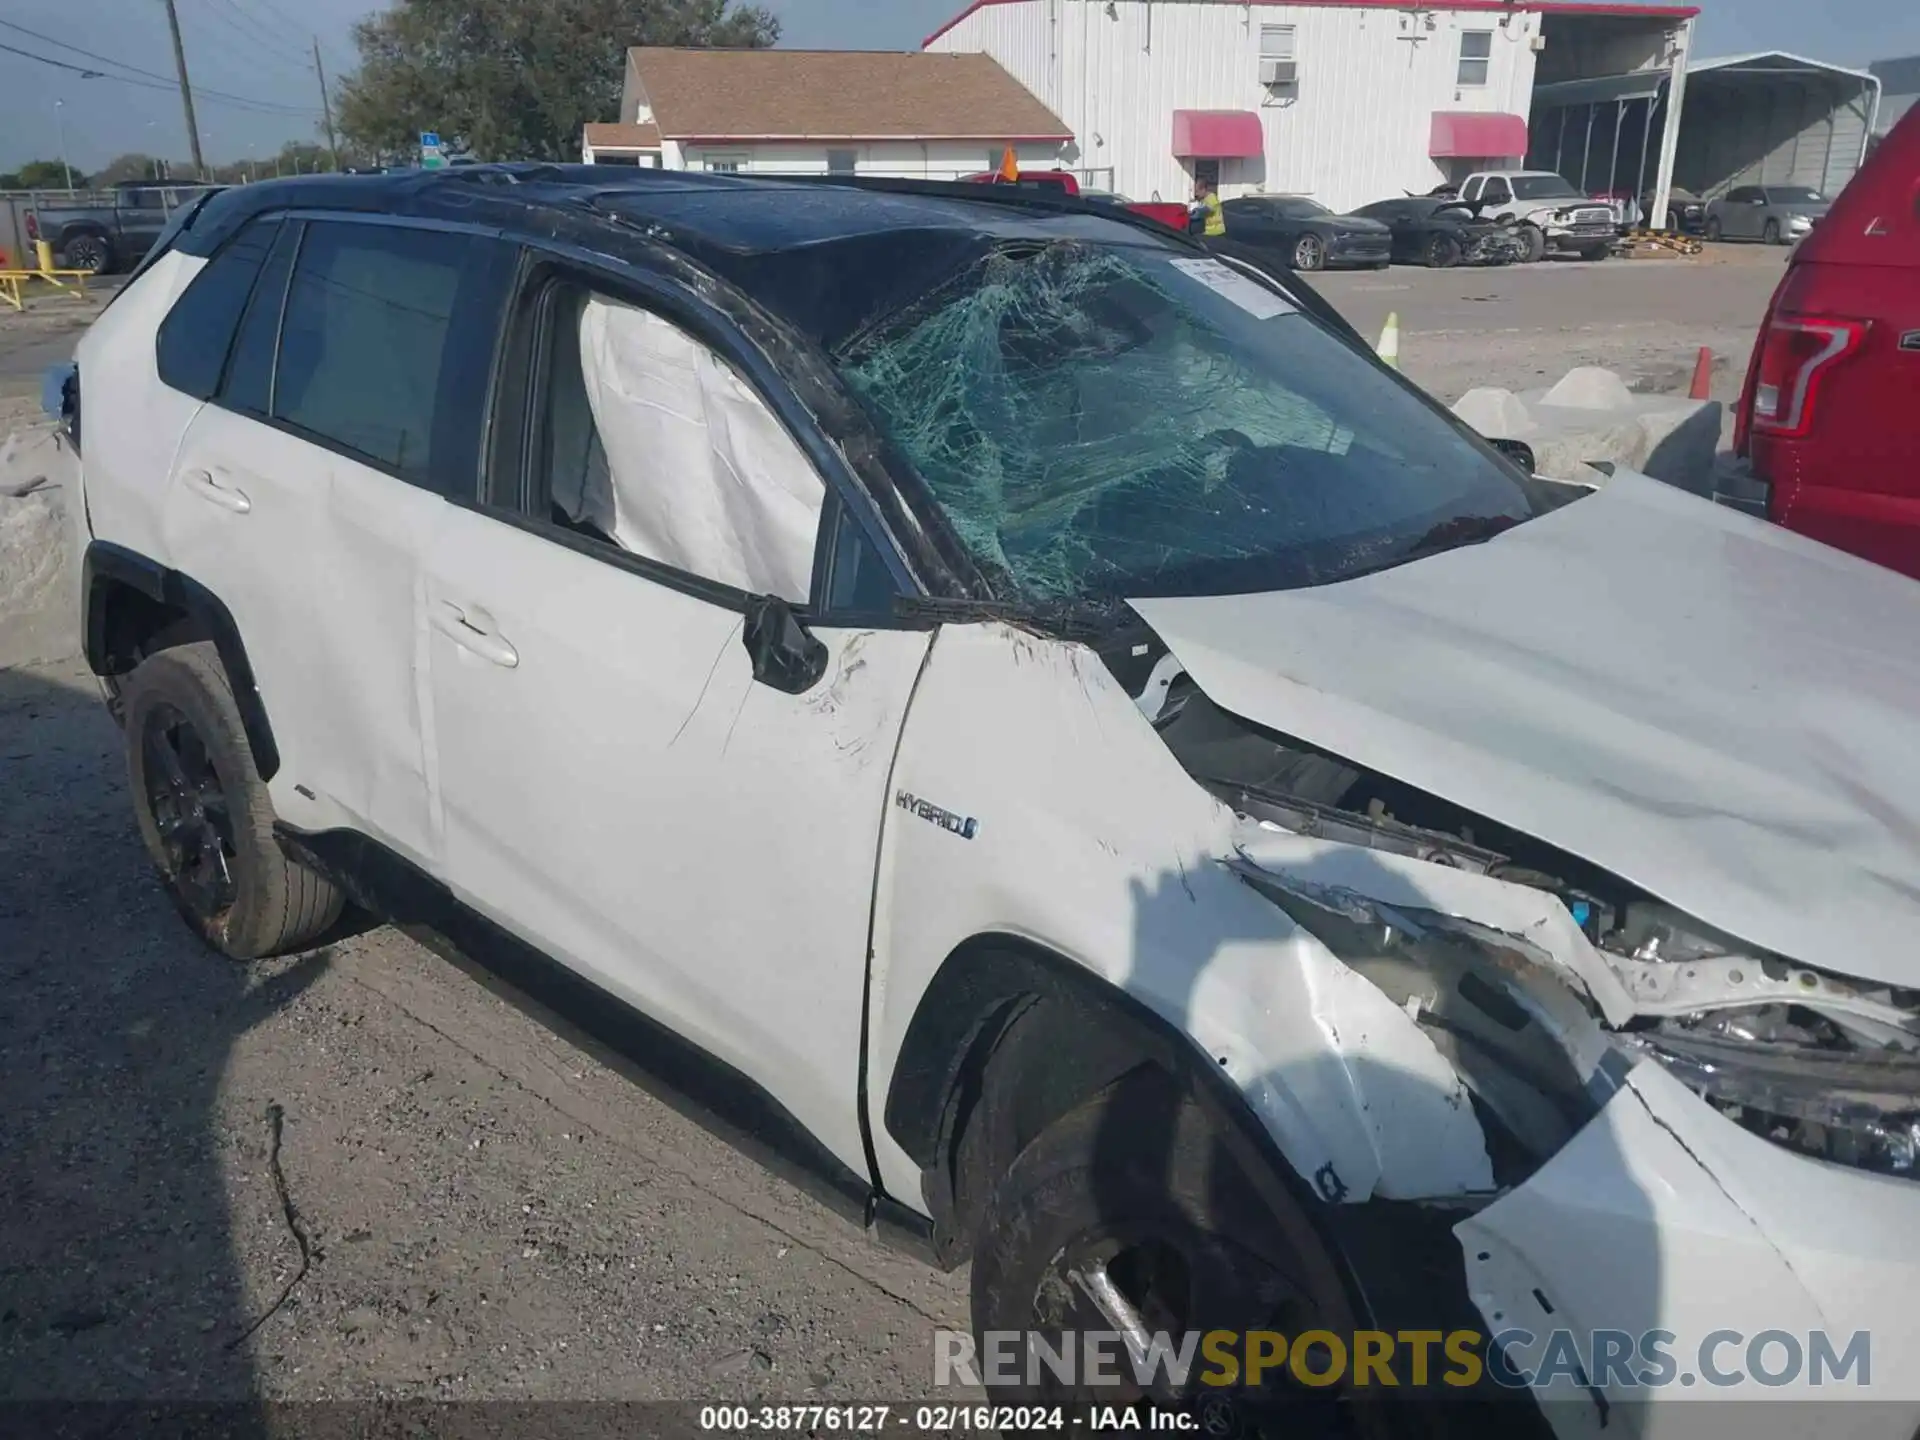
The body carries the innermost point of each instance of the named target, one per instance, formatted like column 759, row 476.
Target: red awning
column 1217, row 135
column 1477, row 133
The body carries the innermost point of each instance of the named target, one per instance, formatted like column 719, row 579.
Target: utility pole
column 60, row 119
column 186, row 91
column 326, row 105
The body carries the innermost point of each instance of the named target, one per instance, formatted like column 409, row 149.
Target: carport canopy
column 1774, row 118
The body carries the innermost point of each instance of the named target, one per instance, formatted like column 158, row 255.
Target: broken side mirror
column 1518, row 451
column 785, row 654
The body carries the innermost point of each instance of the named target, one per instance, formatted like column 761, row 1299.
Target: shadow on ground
column 118, row 1272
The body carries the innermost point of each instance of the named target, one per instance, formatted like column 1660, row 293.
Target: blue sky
column 255, row 55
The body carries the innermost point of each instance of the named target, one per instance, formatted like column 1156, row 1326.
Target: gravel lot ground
column 491, row 1212
column 488, row 1210
column 1524, row 326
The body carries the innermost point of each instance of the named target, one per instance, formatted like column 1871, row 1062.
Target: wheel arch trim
column 982, row 987
column 105, row 566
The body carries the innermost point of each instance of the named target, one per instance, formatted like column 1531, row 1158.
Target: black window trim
column 282, row 228
column 303, row 216
column 544, row 266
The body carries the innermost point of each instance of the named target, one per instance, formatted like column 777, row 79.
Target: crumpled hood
column 1716, row 710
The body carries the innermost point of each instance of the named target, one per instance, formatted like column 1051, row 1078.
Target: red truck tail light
column 33, row 227
column 1795, row 354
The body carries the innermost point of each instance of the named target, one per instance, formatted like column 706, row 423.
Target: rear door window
column 386, row 343
column 191, row 351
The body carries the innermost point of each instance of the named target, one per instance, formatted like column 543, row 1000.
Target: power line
column 276, row 14
column 75, row 49
column 238, row 102
column 259, row 41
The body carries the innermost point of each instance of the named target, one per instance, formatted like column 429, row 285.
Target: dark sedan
column 1303, row 234
column 1438, row 231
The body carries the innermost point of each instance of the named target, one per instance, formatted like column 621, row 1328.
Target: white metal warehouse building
column 1348, row 101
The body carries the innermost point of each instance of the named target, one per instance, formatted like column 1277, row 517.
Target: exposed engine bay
column 1816, row 1062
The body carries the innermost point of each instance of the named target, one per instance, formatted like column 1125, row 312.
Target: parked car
column 1303, row 234
column 1062, row 182
column 1777, row 214
column 1438, row 231
column 1028, row 730
column 1549, row 214
column 1686, row 211
column 1827, row 418
column 103, row 238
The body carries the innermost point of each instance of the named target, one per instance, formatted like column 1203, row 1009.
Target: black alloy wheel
column 86, row 252
column 188, row 805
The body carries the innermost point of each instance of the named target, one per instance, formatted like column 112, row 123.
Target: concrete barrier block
column 1592, row 415
column 1589, row 387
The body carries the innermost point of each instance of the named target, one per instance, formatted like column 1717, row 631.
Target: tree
column 516, row 79
column 39, row 175
column 132, row 166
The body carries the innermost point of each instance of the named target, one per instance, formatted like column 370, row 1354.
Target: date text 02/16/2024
column 982, row 1420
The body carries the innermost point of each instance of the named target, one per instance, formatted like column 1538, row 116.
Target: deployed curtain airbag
column 692, row 469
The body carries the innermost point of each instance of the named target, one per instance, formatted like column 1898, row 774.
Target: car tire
column 1596, row 252
column 1443, row 252
column 1379, row 264
column 1136, row 1186
column 1535, row 241
column 1771, row 234
column 204, row 813
column 1714, row 232
column 1309, row 252
column 87, row 252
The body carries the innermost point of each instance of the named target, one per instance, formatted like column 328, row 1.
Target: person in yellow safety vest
column 1206, row 211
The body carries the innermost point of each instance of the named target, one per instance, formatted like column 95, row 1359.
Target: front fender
column 1033, row 799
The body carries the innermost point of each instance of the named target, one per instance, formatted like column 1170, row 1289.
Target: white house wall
column 1355, row 128
column 910, row 160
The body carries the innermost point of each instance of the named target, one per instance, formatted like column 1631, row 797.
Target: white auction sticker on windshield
column 1248, row 294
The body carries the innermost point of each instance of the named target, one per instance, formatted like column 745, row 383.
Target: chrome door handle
column 472, row 631
column 202, row 483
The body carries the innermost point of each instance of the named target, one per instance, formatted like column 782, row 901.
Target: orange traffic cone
column 1702, row 376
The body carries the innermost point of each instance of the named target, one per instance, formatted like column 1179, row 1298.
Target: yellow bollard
column 43, row 252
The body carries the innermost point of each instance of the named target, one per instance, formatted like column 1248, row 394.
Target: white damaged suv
column 1033, row 730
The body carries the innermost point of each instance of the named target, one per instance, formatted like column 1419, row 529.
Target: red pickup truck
column 1062, row 183
column 1828, row 418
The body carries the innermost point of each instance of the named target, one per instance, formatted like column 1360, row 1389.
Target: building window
column 726, row 164
column 843, row 162
column 1476, row 54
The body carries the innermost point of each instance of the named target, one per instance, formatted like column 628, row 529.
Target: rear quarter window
column 191, row 351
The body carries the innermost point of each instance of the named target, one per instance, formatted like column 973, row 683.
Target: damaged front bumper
column 1707, row 1166
column 1494, row 248
column 1747, row 1263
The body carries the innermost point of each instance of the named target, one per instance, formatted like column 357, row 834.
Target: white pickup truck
column 1549, row 213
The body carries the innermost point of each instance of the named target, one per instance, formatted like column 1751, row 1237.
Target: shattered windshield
column 1107, row 421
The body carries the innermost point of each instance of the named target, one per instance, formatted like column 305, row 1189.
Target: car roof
column 750, row 215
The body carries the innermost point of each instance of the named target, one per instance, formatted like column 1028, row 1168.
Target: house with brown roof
column 820, row 112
